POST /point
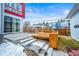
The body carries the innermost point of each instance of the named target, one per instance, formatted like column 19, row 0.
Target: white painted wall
column 74, row 31
column 21, row 25
column 1, row 18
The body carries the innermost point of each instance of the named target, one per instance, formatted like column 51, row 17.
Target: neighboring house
column 65, row 24
column 74, row 21
column 59, row 25
column 13, row 16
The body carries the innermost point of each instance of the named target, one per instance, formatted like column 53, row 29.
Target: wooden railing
column 63, row 31
column 60, row 31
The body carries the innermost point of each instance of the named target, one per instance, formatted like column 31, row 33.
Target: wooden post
column 53, row 40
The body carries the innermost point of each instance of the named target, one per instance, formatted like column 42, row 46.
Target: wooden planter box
column 53, row 40
column 52, row 37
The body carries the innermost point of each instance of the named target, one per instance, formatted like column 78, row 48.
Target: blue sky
column 37, row 12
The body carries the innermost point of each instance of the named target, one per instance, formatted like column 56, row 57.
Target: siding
column 74, row 31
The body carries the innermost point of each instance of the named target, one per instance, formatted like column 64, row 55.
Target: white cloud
column 30, row 10
column 66, row 11
column 35, row 17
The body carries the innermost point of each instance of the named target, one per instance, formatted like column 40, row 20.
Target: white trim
column 74, row 38
column 2, row 19
column 73, row 11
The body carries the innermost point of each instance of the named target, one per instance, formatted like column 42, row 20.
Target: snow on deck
column 9, row 49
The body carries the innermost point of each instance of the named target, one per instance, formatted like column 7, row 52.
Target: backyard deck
column 15, row 43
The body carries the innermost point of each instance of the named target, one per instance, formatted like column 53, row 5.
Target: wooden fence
column 63, row 31
column 60, row 31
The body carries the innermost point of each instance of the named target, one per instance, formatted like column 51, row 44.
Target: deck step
column 39, row 43
column 46, row 47
column 42, row 44
column 49, row 51
column 25, row 40
column 28, row 42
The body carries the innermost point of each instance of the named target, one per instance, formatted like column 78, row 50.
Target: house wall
column 21, row 25
column 74, row 22
column 13, row 13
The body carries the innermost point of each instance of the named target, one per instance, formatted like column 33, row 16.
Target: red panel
column 23, row 10
column 20, row 15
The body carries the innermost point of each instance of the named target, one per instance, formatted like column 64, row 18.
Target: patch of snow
column 10, row 49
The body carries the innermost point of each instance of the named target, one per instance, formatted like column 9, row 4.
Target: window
column 14, row 24
column 13, row 7
column 76, row 26
column 11, row 24
column 16, row 7
column 7, row 6
column 7, row 24
column 19, row 8
column 17, row 25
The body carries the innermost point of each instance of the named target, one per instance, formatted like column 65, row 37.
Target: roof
column 73, row 11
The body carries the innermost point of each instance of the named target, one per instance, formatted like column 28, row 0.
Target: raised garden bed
column 64, row 42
